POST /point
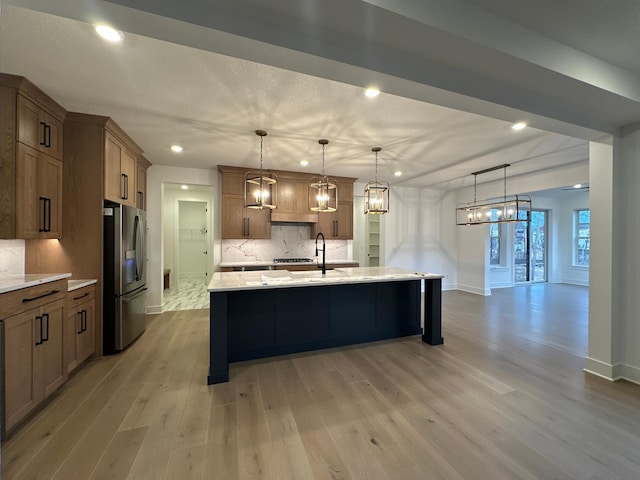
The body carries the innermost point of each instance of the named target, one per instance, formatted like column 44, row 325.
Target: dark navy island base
column 257, row 323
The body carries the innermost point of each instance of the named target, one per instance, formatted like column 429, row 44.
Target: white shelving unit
column 374, row 240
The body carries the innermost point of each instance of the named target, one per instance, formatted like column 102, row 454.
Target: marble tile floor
column 188, row 294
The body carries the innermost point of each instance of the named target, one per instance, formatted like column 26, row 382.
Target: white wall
column 157, row 175
column 570, row 273
column 419, row 232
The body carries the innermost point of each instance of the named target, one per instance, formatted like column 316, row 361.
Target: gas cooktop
column 292, row 260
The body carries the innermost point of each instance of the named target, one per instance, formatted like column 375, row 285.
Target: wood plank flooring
column 504, row 398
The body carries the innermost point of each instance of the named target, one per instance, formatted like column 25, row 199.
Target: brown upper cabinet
column 119, row 169
column 142, row 165
column 238, row 221
column 293, row 207
column 337, row 225
column 31, row 161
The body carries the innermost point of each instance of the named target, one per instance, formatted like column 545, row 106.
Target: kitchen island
column 261, row 314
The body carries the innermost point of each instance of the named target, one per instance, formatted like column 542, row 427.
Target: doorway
column 192, row 247
column 530, row 247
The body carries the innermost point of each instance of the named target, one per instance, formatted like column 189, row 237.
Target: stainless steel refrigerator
column 125, row 275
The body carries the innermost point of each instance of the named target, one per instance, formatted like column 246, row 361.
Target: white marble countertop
column 76, row 284
column 266, row 263
column 227, row 281
column 9, row 283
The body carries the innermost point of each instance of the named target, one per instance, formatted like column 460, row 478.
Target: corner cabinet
column 337, row 225
column 33, row 361
column 31, row 128
column 237, row 221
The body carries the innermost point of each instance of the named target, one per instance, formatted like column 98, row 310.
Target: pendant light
column 376, row 194
column 512, row 208
column 323, row 191
column 260, row 188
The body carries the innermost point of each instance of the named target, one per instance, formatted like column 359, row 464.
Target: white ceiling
column 163, row 93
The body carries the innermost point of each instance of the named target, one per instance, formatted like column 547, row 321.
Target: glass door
column 530, row 247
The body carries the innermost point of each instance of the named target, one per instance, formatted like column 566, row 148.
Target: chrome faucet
column 324, row 258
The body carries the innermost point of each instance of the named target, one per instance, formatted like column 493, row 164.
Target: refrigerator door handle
column 138, row 242
column 127, row 298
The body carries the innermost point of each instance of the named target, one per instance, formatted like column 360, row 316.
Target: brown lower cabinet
column 47, row 334
column 79, row 327
column 33, row 363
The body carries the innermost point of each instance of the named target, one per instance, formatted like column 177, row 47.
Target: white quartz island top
column 228, row 281
column 9, row 283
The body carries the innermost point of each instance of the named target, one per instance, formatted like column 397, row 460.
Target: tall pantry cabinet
column 101, row 162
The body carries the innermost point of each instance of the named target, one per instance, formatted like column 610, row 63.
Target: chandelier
column 323, row 191
column 260, row 188
column 376, row 194
column 512, row 208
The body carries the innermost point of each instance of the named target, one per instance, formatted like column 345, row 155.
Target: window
column 582, row 237
column 495, row 237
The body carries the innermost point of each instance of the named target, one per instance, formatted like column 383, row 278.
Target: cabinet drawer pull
column 52, row 292
column 81, row 296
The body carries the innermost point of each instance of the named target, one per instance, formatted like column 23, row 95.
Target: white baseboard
column 476, row 290
column 502, row 285
column 572, row 281
column 605, row 370
column 449, row 286
column 154, row 309
column 631, row 373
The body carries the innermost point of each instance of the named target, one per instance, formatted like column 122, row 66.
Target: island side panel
column 398, row 308
column 433, row 312
column 218, row 362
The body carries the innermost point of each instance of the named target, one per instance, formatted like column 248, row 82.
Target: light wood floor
column 504, row 397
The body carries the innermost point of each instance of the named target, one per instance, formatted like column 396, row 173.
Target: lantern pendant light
column 260, row 188
column 376, row 194
column 323, row 191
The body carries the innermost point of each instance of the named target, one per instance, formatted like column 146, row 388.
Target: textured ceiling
column 162, row 93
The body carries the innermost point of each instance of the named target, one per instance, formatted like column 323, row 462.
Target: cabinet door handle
column 46, row 316
column 79, row 314
column 31, row 299
column 84, row 320
column 124, row 186
column 39, row 342
column 141, row 200
column 46, row 214
column 43, row 142
column 47, row 131
column 47, row 202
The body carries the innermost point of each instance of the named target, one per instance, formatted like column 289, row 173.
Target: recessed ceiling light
column 185, row 187
column 176, row 149
column 397, row 173
column 577, row 185
column 110, row 34
column 518, row 126
column 304, row 163
column 372, row 92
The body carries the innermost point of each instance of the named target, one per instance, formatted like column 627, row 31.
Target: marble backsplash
column 11, row 257
column 287, row 241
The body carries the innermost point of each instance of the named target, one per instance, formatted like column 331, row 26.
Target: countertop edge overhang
column 234, row 281
column 9, row 283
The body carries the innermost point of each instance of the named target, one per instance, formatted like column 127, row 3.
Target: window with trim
column 582, row 237
column 496, row 241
